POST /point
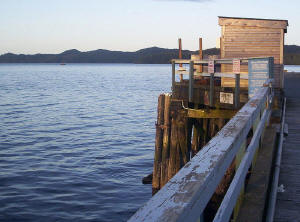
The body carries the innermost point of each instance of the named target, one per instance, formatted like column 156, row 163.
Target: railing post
column 180, row 57
column 191, row 82
column 173, row 75
column 211, row 90
column 237, row 91
column 200, row 54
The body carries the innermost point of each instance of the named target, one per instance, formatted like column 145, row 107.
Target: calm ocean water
column 76, row 140
column 292, row 68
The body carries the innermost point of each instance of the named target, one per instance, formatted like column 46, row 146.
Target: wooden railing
column 186, row 195
column 191, row 72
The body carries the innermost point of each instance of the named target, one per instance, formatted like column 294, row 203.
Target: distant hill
column 153, row 55
column 292, row 55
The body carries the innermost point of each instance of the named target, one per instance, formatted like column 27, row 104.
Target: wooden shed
column 252, row 37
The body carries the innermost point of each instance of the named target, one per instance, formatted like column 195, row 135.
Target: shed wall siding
column 252, row 41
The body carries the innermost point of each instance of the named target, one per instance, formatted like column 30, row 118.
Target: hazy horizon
column 100, row 49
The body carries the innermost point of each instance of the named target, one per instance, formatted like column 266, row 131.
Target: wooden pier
column 288, row 197
column 187, row 193
column 215, row 138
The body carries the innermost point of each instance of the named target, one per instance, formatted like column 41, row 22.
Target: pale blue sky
column 52, row 26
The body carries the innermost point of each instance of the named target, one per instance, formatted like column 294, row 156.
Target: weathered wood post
column 237, row 91
column 197, row 136
column 173, row 75
column 200, row 54
column 180, row 56
column 211, row 70
column 158, row 144
column 166, row 142
column 236, row 68
column 191, row 82
column 179, row 144
column 205, row 131
column 211, row 90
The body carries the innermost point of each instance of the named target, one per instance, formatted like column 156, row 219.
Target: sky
column 53, row 26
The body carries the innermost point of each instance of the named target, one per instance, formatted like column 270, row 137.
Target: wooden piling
column 212, row 128
column 179, row 147
column 166, row 142
column 197, row 136
column 158, row 144
column 173, row 75
column 205, row 128
column 191, row 82
column 180, row 50
column 200, row 54
column 180, row 56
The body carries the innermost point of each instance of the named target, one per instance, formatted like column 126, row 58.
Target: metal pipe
column 211, row 90
column 237, row 91
column 273, row 195
column 191, row 82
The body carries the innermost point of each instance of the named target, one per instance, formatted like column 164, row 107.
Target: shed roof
column 254, row 22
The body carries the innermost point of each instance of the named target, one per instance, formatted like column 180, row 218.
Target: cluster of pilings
column 178, row 138
column 187, row 119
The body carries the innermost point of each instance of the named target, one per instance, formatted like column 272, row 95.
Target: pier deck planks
column 288, row 202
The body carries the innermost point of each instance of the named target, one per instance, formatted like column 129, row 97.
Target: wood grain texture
column 253, row 38
column 210, row 113
column 166, row 141
column 282, row 24
column 158, row 144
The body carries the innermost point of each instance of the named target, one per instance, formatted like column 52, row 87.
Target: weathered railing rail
column 186, row 195
column 217, row 61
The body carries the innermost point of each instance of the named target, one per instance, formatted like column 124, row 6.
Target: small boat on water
column 62, row 64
